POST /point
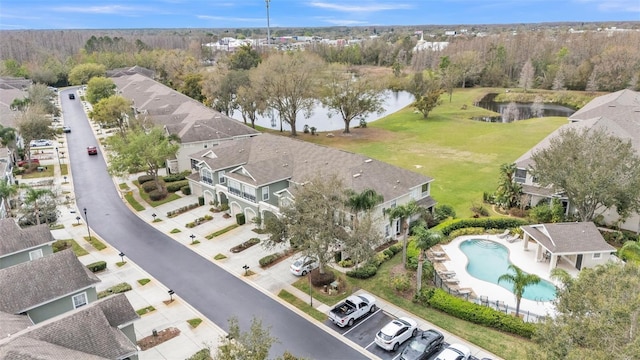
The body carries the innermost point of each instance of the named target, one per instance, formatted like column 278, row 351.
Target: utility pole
column 268, row 28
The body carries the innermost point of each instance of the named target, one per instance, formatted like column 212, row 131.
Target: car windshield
column 298, row 263
column 384, row 336
column 417, row 345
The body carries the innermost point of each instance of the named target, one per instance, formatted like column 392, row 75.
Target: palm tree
column 7, row 191
column 363, row 201
column 425, row 239
column 32, row 197
column 509, row 191
column 520, row 281
column 404, row 214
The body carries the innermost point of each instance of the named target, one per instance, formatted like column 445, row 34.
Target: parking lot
column 364, row 331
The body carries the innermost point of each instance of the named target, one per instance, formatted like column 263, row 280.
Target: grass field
column 463, row 156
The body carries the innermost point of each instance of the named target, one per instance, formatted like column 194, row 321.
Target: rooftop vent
column 368, row 160
column 357, row 175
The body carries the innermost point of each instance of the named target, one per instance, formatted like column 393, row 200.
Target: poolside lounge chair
column 504, row 234
column 513, row 238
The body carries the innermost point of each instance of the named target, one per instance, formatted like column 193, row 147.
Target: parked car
column 423, row 346
column 392, row 335
column 40, row 142
column 92, row 150
column 302, row 266
column 23, row 163
column 66, row 129
column 454, row 352
column 72, row 96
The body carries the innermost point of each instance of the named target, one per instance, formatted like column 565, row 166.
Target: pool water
column 488, row 260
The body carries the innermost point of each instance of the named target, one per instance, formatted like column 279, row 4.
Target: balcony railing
column 244, row 195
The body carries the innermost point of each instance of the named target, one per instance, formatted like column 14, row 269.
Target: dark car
column 72, row 96
column 92, row 150
column 423, row 346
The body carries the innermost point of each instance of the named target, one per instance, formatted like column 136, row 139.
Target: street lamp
column 121, row 256
column 58, row 155
column 192, row 238
column 268, row 28
column 78, row 219
column 86, row 219
column 310, row 288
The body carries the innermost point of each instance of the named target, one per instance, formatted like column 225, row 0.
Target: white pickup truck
column 353, row 308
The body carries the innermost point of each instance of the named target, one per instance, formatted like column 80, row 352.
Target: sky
column 143, row 14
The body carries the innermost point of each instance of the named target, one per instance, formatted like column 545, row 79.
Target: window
column 520, row 176
column 597, row 255
column 35, row 254
column 194, row 164
column 425, row 188
column 265, row 193
column 79, row 300
column 221, row 178
column 206, row 177
column 387, row 231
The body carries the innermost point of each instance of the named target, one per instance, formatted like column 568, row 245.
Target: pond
column 521, row 111
column 393, row 101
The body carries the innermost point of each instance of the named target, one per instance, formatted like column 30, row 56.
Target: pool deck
column 456, row 261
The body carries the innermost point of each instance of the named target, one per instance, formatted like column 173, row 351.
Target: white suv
column 396, row 332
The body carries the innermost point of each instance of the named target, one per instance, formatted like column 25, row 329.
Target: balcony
column 243, row 195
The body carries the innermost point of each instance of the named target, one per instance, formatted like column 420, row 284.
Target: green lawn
column 463, row 156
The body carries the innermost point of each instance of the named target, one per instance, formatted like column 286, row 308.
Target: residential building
column 19, row 245
column 101, row 330
column 11, row 89
column 196, row 125
column 619, row 115
column 254, row 176
column 47, row 286
column 6, row 177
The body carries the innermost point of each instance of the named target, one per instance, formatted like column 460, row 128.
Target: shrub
column 318, row 279
column 245, row 245
column 467, row 231
column 444, row 211
column 388, row 253
column 149, row 186
column 186, row 190
column 175, row 186
column 479, row 210
column 156, row 195
column 223, row 207
column 201, row 201
column 115, row 289
column 181, row 210
column 479, row 314
column 396, row 248
column 144, row 178
column 269, row 259
column 240, row 220
column 347, row 263
column 174, row 178
column 364, row 272
column 97, row 266
column 401, row 283
column 517, row 212
column 488, row 223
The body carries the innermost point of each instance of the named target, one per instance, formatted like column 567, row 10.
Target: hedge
column 240, row 219
column 144, row 178
column 449, row 226
column 177, row 185
column 269, row 259
column 149, row 186
column 174, row 178
column 115, row 289
column 156, row 195
column 97, row 266
column 364, row 272
column 186, row 190
column 480, row 314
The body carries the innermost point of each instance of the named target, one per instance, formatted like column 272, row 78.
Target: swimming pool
column 488, row 260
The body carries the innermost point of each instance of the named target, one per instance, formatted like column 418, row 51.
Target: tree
column 289, row 81
column 469, row 64
column 251, row 345
column 403, row 213
column 365, row 200
column 511, row 112
column 244, row 58
column 311, row 221
column 7, row 136
column 595, row 170
column 141, row 150
column 221, row 87
column 251, row 103
column 520, row 280
column 112, row 111
column 99, row 88
column 428, row 102
column 362, row 240
column 81, row 74
column 449, row 75
column 33, row 124
column 509, row 191
column 597, row 316
column 40, row 97
column 7, row 192
column 425, row 239
column 192, row 86
column 349, row 95
column 34, row 197
column 526, row 76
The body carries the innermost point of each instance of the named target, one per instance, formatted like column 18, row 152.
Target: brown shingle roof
column 14, row 239
column 270, row 157
column 569, row 238
column 36, row 282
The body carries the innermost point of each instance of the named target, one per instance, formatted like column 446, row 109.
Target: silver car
column 302, row 266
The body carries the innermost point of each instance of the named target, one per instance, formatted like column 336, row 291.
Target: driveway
column 211, row 290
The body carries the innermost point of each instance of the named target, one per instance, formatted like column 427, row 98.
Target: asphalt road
column 217, row 294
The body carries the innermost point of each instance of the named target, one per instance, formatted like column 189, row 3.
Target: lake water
column 524, row 110
column 393, row 101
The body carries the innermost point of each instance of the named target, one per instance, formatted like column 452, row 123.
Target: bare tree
column 526, row 76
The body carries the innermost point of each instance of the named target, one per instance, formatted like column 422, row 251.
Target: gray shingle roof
column 36, row 282
column 569, row 238
column 14, row 239
column 11, row 324
column 270, row 157
column 191, row 120
column 90, row 332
